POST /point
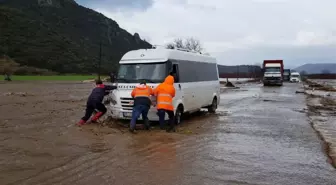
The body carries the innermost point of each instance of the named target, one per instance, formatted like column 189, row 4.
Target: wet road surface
column 260, row 135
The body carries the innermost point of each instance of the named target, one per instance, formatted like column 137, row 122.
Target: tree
column 258, row 64
column 257, row 67
column 54, row 38
column 190, row 43
column 193, row 45
column 7, row 65
column 170, row 46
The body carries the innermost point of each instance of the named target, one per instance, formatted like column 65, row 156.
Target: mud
column 322, row 115
column 248, row 141
column 321, row 85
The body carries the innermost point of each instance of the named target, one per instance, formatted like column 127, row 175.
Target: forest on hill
column 61, row 36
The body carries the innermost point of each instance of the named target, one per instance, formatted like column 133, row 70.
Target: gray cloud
column 239, row 31
column 293, row 56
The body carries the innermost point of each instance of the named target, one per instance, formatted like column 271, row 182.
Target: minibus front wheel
column 212, row 108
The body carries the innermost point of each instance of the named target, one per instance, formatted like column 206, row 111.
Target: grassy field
column 54, row 78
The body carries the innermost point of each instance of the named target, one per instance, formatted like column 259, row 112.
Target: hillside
column 317, row 68
column 239, row 71
column 62, row 36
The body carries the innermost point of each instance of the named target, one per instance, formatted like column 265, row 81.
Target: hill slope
column 238, row 69
column 62, row 36
column 317, row 68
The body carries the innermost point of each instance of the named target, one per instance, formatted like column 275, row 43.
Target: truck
column 295, row 77
column 196, row 77
column 273, row 72
column 286, row 75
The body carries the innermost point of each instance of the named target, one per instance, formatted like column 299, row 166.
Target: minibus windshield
column 149, row 72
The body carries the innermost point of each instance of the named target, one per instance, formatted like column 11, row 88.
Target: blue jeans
column 162, row 114
column 137, row 111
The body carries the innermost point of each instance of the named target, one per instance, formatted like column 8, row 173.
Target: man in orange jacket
column 165, row 92
column 142, row 103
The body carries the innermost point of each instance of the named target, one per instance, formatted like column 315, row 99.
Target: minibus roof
column 161, row 55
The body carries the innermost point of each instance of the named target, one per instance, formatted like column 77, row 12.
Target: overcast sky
column 235, row 31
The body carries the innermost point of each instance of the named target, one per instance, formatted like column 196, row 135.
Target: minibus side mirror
column 112, row 78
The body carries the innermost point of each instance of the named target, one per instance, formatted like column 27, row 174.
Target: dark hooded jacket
column 98, row 93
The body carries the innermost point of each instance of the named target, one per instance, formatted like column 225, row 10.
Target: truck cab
column 273, row 72
column 295, row 77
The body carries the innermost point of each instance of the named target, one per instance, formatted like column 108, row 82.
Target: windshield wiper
column 147, row 80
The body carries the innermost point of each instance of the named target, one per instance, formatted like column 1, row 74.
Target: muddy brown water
column 260, row 135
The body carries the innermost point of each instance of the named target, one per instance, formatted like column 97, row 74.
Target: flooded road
column 260, row 135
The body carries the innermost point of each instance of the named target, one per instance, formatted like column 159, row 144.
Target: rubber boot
column 146, row 123
column 131, row 129
column 171, row 128
column 96, row 117
column 81, row 122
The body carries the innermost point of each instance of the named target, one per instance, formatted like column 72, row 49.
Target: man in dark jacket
column 141, row 94
column 94, row 102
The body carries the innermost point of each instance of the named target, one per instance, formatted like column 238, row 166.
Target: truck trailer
column 273, row 72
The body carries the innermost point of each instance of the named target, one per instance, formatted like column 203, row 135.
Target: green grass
column 55, row 78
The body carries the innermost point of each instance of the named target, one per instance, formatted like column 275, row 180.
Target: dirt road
column 258, row 136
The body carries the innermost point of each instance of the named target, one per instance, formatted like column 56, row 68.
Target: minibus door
column 179, row 93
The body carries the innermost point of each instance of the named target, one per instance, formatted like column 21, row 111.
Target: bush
column 9, row 66
column 26, row 70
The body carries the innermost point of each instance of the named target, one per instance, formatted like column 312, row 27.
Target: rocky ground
column 321, row 100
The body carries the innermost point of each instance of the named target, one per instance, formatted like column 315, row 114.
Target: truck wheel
column 178, row 115
column 213, row 106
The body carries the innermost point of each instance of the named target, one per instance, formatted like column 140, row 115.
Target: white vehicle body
column 196, row 79
column 272, row 74
column 275, row 72
column 295, row 77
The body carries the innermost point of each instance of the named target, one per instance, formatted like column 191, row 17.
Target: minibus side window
column 175, row 73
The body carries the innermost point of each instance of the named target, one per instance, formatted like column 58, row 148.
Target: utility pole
column 100, row 58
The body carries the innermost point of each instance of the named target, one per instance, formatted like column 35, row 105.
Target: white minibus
column 196, row 76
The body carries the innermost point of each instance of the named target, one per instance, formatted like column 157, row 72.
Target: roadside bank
column 321, row 102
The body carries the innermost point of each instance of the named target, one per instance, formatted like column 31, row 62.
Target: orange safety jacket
column 141, row 94
column 165, row 92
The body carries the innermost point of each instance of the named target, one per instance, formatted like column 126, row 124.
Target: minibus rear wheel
column 178, row 115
